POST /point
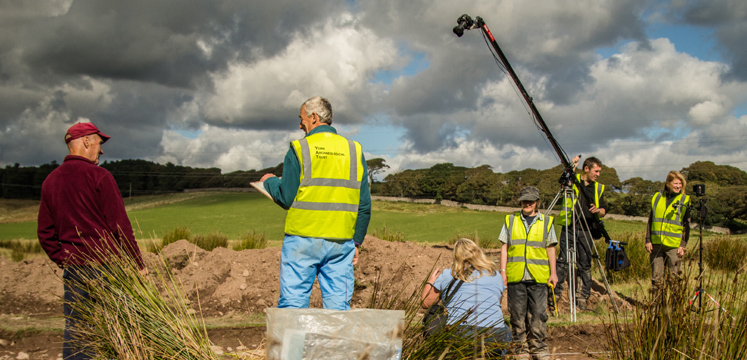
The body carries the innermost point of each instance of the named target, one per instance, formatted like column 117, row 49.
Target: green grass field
column 234, row 214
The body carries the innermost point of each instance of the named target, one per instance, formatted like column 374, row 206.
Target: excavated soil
column 227, row 281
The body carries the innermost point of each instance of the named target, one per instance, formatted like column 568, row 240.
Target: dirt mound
column 241, row 281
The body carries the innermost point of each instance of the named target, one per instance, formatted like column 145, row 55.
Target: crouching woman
column 474, row 301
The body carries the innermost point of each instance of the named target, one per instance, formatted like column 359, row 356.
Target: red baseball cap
column 82, row 129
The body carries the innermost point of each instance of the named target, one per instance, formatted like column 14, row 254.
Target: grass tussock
column 19, row 249
column 485, row 242
column 668, row 326
column 450, row 343
column 135, row 316
column 210, row 241
column 179, row 233
column 389, row 234
column 725, row 253
column 252, row 240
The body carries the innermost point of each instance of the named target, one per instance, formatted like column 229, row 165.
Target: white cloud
column 336, row 59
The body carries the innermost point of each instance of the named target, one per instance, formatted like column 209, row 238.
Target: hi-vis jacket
column 568, row 205
column 326, row 204
column 527, row 251
column 666, row 225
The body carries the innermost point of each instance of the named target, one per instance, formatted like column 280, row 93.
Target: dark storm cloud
column 729, row 19
column 127, row 66
column 157, row 41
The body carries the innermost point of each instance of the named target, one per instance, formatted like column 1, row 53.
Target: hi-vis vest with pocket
column 528, row 250
column 326, row 204
column 568, row 204
column 666, row 226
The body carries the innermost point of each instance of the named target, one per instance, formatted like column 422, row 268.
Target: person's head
column 85, row 139
column 592, row 168
column 315, row 112
column 468, row 257
column 675, row 182
column 529, row 199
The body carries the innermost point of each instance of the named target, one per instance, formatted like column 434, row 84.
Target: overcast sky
column 646, row 86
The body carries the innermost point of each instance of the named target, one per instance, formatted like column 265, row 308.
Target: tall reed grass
column 210, row 241
column 485, row 242
column 388, row 234
column 251, row 240
column 725, row 253
column 667, row 326
column 135, row 316
column 19, row 249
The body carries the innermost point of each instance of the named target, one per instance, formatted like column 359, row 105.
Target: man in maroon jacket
column 81, row 219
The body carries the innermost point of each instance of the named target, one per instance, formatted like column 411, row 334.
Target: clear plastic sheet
column 296, row 334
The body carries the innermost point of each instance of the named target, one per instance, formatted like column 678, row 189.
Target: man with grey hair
column 324, row 187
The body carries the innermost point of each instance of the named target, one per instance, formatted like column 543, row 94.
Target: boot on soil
column 581, row 304
column 542, row 356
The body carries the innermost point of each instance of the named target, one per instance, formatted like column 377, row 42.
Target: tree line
column 134, row 177
column 726, row 186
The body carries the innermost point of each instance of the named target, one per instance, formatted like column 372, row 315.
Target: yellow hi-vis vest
column 528, row 250
column 666, row 226
column 566, row 214
column 326, row 204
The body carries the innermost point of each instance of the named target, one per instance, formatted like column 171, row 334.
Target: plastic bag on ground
column 297, row 334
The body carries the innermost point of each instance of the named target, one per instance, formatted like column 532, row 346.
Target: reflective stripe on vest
column 666, row 225
column 527, row 251
column 568, row 204
column 326, row 204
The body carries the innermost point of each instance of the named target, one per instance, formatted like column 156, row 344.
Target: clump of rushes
column 447, row 344
column 210, row 241
column 135, row 316
column 179, row 233
column 668, row 326
column 252, row 240
column 20, row 248
column 384, row 233
column 724, row 253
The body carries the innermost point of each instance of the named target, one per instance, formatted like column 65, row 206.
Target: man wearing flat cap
column 81, row 217
column 527, row 267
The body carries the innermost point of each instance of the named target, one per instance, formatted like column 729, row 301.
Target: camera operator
column 583, row 238
column 668, row 228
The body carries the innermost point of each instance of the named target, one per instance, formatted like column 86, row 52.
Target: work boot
column 581, row 304
column 542, row 356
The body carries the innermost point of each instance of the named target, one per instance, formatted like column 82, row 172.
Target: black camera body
column 699, row 190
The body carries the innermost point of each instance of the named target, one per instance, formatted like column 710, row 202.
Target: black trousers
column 527, row 304
column 76, row 296
column 583, row 242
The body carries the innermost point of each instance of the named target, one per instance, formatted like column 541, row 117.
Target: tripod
column 700, row 291
column 567, row 193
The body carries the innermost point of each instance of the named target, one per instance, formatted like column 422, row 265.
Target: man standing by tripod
column 585, row 229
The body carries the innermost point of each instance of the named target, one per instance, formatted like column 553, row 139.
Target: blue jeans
column 304, row 259
column 75, row 278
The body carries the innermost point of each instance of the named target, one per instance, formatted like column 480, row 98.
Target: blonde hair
column 468, row 257
column 674, row 175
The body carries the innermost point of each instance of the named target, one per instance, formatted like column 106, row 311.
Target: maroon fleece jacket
column 80, row 206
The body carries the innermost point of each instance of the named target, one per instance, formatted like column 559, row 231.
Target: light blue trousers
column 304, row 259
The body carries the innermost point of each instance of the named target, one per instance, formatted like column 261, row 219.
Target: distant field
column 234, row 214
